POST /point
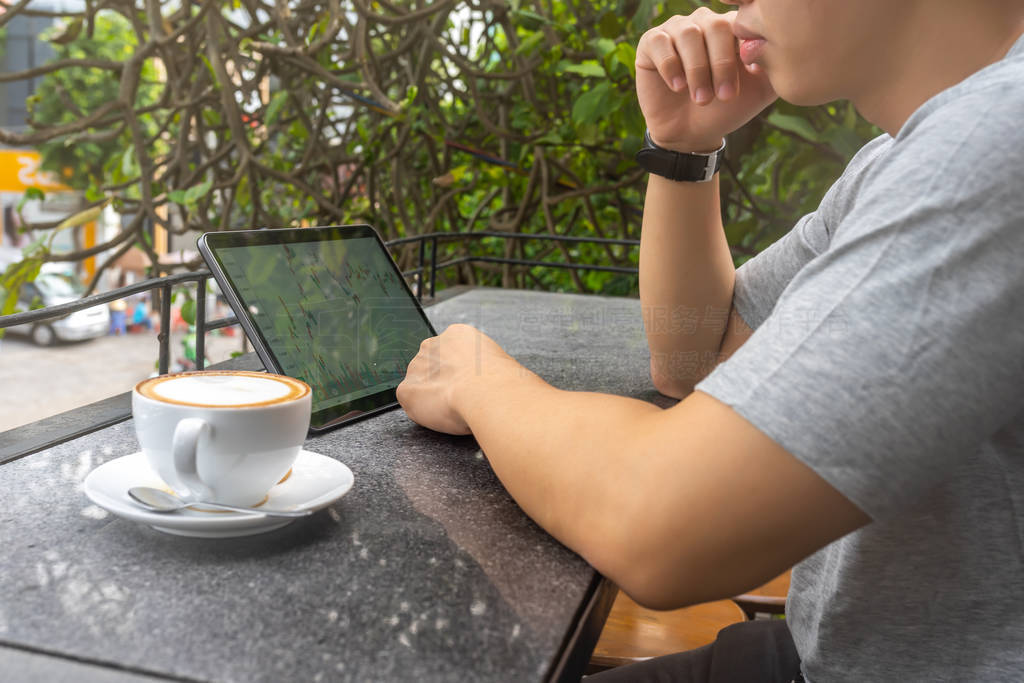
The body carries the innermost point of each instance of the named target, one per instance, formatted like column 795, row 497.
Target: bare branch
column 61, row 65
column 320, row 111
column 96, row 119
column 10, row 12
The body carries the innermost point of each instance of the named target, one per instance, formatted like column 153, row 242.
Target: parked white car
column 52, row 289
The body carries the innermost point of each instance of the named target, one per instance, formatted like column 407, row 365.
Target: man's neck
column 923, row 70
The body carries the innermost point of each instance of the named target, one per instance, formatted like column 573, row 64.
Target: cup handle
column 183, row 447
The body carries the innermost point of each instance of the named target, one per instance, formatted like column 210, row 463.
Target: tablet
column 324, row 305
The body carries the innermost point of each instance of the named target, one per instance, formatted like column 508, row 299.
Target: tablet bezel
column 209, row 243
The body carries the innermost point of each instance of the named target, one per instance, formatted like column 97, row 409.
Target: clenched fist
column 692, row 86
column 436, row 391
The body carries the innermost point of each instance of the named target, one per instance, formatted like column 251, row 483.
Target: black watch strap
column 679, row 166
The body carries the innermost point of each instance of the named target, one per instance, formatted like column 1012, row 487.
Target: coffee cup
column 223, row 436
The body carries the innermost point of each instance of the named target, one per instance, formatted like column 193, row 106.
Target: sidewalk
column 36, row 382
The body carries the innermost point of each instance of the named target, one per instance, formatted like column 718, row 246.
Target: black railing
column 166, row 283
column 436, row 237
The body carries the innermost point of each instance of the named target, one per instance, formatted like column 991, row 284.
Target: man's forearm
column 686, row 281
column 561, row 455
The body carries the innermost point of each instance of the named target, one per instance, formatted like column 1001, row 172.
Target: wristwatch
column 679, row 166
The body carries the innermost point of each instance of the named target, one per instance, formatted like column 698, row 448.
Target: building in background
column 19, row 167
column 24, row 48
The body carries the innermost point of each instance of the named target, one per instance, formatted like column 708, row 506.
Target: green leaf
column 193, row 193
column 128, row 161
column 844, row 140
column 177, row 196
column 277, row 102
column 592, row 105
column 410, row 95
column 211, row 117
column 30, row 194
column 39, row 247
column 71, row 31
column 552, row 137
column 12, row 280
column 794, row 124
column 603, row 46
column 298, row 131
column 93, row 193
column 850, row 120
column 630, row 146
column 589, row 68
column 213, row 73
column 625, row 54
column 188, row 312
column 735, row 232
column 530, row 42
column 610, row 26
column 80, row 218
column 530, row 20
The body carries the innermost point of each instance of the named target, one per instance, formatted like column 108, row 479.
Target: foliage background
column 512, row 116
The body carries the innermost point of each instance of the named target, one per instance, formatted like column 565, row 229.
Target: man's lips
column 751, row 44
column 751, row 50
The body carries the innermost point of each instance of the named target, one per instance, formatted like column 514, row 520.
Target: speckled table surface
column 427, row 570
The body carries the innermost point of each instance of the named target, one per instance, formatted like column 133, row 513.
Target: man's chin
column 799, row 94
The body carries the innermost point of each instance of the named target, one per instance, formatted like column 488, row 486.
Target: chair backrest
column 767, row 599
column 633, row 633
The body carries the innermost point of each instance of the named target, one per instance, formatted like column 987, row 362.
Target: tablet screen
column 329, row 306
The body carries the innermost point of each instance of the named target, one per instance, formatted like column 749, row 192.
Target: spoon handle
column 268, row 513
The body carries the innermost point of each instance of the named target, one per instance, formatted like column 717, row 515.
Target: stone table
column 427, row 570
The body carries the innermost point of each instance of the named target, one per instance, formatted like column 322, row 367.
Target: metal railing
column 167, row 282
column 436, row 237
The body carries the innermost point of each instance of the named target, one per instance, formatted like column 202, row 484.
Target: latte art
column 223, row 389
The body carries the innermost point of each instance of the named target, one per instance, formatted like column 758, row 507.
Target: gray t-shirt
column 888, row 356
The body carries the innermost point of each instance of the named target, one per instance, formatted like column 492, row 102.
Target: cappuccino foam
column 222, row 389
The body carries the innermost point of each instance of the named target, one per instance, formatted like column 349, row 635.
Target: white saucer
column 316, row 481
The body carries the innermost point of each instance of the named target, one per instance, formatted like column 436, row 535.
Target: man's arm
column 676, row 506
column 686, row 273
column 735, row 334
column 693, row 91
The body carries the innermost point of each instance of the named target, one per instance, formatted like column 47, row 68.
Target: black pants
column 750, row 652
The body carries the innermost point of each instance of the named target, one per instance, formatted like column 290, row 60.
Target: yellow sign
column 19, row 169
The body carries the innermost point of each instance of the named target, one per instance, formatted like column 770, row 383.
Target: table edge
column 71, row 664
column 578, row 646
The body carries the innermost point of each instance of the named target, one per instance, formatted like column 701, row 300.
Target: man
column 871, row 428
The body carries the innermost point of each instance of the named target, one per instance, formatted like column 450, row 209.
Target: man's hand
column 692, row 87
column 435, row 387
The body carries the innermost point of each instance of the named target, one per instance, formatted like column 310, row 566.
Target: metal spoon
column 162, row 501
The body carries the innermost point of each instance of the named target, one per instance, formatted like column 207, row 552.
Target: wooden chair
column 633, row 633
column 767, row 599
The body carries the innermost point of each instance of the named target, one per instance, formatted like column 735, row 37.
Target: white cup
column 222, row 436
